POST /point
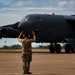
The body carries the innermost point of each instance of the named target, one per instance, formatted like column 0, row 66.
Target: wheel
column 58, row 48
column 72, row 50
column 52, row 49
column 68, row 48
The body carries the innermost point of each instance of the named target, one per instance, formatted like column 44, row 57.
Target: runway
column 43, row 63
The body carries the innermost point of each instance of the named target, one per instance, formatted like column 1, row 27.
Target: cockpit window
column 28, row 18
column 38, row 19
column 31, row 18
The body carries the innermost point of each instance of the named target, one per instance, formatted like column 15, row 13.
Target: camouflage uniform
column 27, row 58
column 26, row 54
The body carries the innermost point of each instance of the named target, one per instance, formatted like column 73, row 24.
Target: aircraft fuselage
column 49, row 28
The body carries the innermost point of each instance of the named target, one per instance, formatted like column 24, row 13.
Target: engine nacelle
column 9, row 32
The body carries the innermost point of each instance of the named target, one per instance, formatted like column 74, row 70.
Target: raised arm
column 34, row 36
column 19, row 37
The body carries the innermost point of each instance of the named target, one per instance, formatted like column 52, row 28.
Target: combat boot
column 29, row 72
column 25, row 72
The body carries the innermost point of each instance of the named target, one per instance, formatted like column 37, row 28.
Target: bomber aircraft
column 48, row 28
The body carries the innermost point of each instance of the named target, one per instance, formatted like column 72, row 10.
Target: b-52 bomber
column 48, row 28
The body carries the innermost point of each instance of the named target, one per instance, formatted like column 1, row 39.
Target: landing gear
column 55, row 48
column 52, row 48
column 69, row 48
column 58, row 48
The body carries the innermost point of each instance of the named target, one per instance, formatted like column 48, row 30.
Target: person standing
column 26, row 50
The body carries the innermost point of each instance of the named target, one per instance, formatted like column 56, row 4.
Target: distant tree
column 5, row 47
column 15, row 46
column 11, row 47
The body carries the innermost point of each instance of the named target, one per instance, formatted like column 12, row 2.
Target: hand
column 20, row 35
column 33, row 33
column 21, row 32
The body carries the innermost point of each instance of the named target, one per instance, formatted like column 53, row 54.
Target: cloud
column 12, row 11
column 5, row 3
column 71, row 4
column 62, row 3
column 27, row 5
column 18, row 4
column 67, row 4
column 36, row 8
column 22, row 3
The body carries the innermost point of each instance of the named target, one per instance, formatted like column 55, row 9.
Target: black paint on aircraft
column 48, row 28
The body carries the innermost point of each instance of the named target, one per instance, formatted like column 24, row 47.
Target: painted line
column 18, row 73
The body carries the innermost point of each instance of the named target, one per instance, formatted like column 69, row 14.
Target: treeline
column 11, row 47
column 45, row 47
column 5, row 47
column 48, row 46
column 19, row 47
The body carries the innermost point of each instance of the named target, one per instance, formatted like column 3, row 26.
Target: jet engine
column 9, row 32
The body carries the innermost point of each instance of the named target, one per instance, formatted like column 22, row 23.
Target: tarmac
column 43, row 63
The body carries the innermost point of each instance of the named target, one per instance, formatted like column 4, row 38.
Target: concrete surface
column 43, row 63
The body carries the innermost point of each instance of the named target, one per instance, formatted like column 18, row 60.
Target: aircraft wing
column 9, row 31
column 70, row 19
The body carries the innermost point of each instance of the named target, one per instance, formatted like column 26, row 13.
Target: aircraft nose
column 25, row 26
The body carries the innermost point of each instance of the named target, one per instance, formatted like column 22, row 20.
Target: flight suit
column 26, row 53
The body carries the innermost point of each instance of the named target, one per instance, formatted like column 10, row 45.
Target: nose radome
column 25, row 26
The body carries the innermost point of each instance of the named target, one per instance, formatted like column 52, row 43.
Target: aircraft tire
column 72, row 50
column 52, row 50
column 67, row 48
column 58, row 48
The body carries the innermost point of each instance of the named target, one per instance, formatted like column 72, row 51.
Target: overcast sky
column 12, row 11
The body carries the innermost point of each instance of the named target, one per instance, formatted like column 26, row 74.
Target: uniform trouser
column 27, row 58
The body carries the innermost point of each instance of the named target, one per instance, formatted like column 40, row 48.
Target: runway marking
column 10, row 73
column 18, row 73
column 38, row 73
column 27, row 74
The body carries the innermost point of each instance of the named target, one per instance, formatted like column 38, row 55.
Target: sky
column 12, row 11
